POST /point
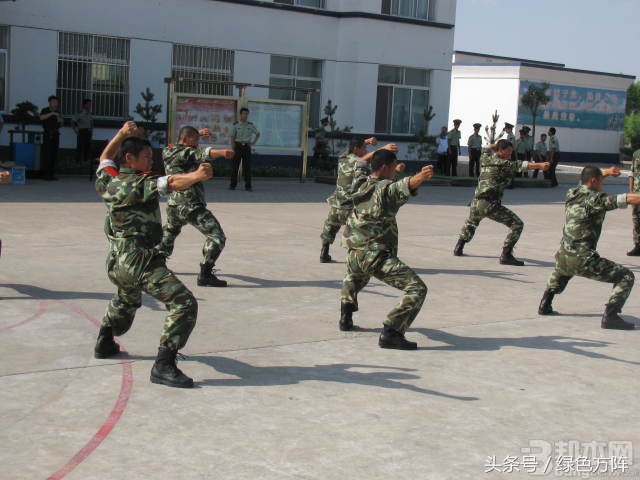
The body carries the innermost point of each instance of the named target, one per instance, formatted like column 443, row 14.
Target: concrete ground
column 281, row 392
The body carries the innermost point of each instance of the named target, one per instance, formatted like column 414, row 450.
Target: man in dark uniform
column 51, row 122
column 475, row 150
column 242, row 139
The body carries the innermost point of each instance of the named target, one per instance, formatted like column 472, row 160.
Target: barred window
column 303, row 3
column 94, row 67
column 403, row 96
column 299, row 73
column 422, row 9
column 4, row 65
column 198, row 69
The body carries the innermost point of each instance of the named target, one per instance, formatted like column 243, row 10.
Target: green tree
column 149, row 113
column 533, row 99
column 632, row 119
column 490, row 133
column 327, row 136
column 633, row 98
column 425, row 144
column 25, row 112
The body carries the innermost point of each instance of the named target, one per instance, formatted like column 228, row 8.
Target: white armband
column 621, row 200
column 163, row 185
column 524, row 166
column 106, row 163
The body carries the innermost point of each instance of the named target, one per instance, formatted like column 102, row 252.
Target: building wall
column 351, row 47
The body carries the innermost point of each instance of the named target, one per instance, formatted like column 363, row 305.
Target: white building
column 586, row 108
column 381, row 61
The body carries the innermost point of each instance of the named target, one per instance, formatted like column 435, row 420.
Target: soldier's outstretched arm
column 633, row 198
column 611, row 171
column 226, row 153
column 392, row 147
column 111, row 150
column 419, row 178
column 539, row 165
column 182, row 181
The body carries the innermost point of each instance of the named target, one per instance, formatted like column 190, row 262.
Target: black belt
column 243, row 144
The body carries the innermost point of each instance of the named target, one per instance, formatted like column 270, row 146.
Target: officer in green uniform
column 553, row 155
column 134, row 229
column 352, row 165
column 540, row 152
column 475, row 150
column 242, row 139
column 371, row 237
column 82, row 123
column 585, row 209
column 189, row 206
column 453, row 138
column 496, row 171
column 634, row 187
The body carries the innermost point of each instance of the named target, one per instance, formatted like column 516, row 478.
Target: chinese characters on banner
column 577, row 107
column 216, row 114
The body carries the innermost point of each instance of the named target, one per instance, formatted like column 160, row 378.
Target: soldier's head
column 552, row 131
column 244, row 114
column 54, row 102
column 504, row 148
column 543, row 137
column 443, row 131
column 136, row 153
column 188, row 136
column 383, row 164
column 358, row 147
column 86, row 104
column 592, row 177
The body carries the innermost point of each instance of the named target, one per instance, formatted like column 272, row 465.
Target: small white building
column 381, row 61
column 586, row 108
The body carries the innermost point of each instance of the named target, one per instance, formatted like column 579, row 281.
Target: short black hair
column 552, row 130
column 85, row 101
column 588, row 173
column 52, row 97
column 244, row 109
column 381, row 158
column 188, row 132
column 356, row 142
column 503, row 144
column 133, row 145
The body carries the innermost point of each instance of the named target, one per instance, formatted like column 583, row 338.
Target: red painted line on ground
column 41, row 309
column 112, row 419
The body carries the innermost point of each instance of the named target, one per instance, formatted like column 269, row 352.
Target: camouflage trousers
column 635, row 216
column 203, row 220
column 363, row 264
column 494, row 210
column 337, row 218
column 137, row 270
column 593, row 267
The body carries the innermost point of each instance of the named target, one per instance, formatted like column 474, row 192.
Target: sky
column 600, row 35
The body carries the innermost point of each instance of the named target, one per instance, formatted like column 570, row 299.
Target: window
column 199, row 69
column 422, row 9
column 298, row 73
column 303, row 3
column 95, row 67
column 4, row 64
column 402, row 97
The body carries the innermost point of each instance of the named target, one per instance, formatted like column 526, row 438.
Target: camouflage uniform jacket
column 584, row 213
column 133, row 208
column 495, row 176
column 372, row 224
column 635, row 170
column 347, row 164
column 182, row 159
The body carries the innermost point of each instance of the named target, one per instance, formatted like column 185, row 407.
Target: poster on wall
column 577, row 107
column 279, row 124
column 215, row 113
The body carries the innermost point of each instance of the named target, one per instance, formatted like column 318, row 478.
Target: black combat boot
column 207, row 278
column 390, row 338
column 635, row 251
column 346, row 320
column 105, row 345
column 610, row 319
column 507, row 258
column 545, row 307
column 165, row 371
column 324, row 253
column 457, row 251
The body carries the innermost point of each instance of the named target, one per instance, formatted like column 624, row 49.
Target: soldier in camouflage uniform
column 134, row 229
column 634, row 187
column 189, row 206
column 353, row 166
column 371, row 237
column 585, row 209
column 496, row 172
